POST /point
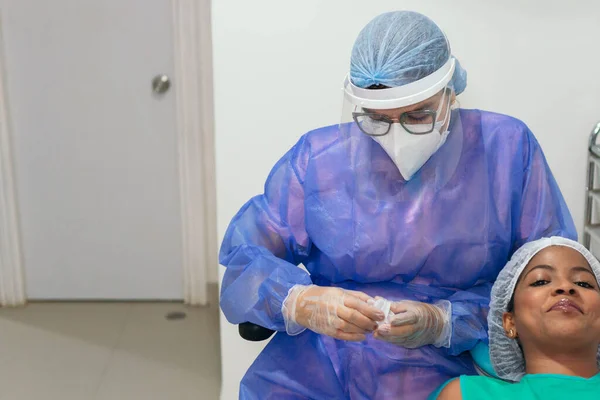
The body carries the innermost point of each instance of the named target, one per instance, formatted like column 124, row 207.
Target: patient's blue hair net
column 401, row 47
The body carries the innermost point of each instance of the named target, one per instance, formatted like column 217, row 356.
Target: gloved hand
column 416, row 324
column 339, row 313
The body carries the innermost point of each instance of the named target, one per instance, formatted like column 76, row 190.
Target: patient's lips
column 566, row 306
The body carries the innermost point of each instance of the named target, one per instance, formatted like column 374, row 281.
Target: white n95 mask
column 409, row 151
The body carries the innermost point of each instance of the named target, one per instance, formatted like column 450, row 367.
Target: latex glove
column 339, row 313
column 414, row 324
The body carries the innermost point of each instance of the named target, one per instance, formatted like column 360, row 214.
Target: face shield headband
column 402, row 96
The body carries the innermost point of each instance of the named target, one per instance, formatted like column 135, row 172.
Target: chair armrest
column 253, row 332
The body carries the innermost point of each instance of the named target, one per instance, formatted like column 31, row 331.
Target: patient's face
column 556, row 300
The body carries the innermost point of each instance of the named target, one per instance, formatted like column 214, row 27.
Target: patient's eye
column 540, row 282
column 585, row 285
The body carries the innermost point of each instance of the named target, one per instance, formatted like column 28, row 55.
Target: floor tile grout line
column 116, row 344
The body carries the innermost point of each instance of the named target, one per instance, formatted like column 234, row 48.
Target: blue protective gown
column 337, row 204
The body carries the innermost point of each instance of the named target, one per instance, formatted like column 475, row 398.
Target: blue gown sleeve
column 544, row 211
column 263, row 246
column 541, row 211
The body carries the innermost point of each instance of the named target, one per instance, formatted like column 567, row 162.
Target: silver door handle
column 161, row 84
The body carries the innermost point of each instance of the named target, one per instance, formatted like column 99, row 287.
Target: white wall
column 279, row 68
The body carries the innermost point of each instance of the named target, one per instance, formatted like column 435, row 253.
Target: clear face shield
column 409, row 122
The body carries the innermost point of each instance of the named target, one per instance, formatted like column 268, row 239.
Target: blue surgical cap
column 401, row 47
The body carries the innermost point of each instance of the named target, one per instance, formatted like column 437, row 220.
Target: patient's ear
column 508, row 322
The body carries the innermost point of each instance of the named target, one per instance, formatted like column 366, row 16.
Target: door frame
column 12, row 274
column 195, row 137
column 192, row 44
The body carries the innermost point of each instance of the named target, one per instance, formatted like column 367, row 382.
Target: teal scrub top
column 535, row 386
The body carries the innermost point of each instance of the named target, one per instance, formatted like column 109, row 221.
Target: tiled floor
column 109, row 351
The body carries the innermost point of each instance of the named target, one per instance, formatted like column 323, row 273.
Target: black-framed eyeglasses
column 418, row 122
